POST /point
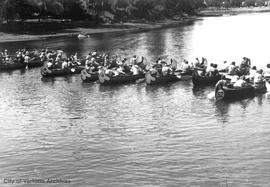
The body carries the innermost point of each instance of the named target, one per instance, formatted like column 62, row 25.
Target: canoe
column 13, row 66
column 223, row 92
column 35, row 63
column 46, row 72
column 199, row 80
column 120, row 79
column 18, row 65
column 177, row 76
column 87, row 77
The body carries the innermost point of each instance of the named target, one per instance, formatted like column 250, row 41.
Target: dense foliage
column 121, row 9
column 82, row 9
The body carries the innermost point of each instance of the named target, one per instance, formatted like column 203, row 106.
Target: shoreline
column 130, row 27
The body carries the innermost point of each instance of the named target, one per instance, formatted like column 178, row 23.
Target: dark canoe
column 235, row 93
column 177, row 76
column 45, row 72
column 88, row 77
column 13, row 66
column 120, row 79
column 35, row 63
column 226, row 93
column 199, row 80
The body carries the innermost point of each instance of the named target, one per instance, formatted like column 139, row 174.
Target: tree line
column 121, row 9
column 90, row 9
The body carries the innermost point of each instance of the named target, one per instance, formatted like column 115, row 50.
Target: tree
column 16, row 9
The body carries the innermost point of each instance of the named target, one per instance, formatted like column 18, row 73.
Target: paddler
column 259, row 79
column 26, row 59
column 267, row 71
column 185, row 66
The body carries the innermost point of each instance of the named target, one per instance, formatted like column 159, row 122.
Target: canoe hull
column 204, row 80
column 45, row 72
column 10, row 67
column 35, row 64
column 177, row 76
column 225, row 93
column 120, row 79
column 18, row 65
column 234, row 93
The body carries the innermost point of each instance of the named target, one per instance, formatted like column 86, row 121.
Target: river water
column 135, row 135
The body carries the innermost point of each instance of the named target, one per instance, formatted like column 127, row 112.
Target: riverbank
column 212, row 11
column 128, row 27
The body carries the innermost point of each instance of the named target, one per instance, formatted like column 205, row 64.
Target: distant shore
column 129, row 27
column 212, row 11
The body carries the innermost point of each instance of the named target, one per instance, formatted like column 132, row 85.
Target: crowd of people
column 21, row 56
column 245, row 76
column 95, row 61
column 113, row 66
column 57, row 60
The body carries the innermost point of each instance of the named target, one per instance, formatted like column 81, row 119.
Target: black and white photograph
column 134, row 93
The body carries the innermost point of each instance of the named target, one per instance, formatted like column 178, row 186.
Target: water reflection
column 222, row 110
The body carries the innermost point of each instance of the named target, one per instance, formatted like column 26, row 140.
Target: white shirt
column 258, row 78
column 239, row 83
column 26, row 59
column 185, row 67
column 252, row 73
column 64, row 64
column 267, row 72
column 134, row 70
column 49, row 64
column 234, row 79
column 231, row 68
column 165, row 70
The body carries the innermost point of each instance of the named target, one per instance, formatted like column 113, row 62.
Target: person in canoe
column 186, row 66
column 232, row 69
column 166, row 69
column 58, row 61
column 26, row 59
column 42, row 57
column 135, row 70
column 240, row 82
column 19, row 57
column 203, row 63
column 224, row 67
column 134, row 60
column 244, row 66
column 8, row 60
column 6, row 53
column 49, row 64
column 212, row 70
column 197, row 62
column 267, row 72
column 259, row 80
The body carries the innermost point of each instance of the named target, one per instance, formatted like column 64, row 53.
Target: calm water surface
column 134, row 135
